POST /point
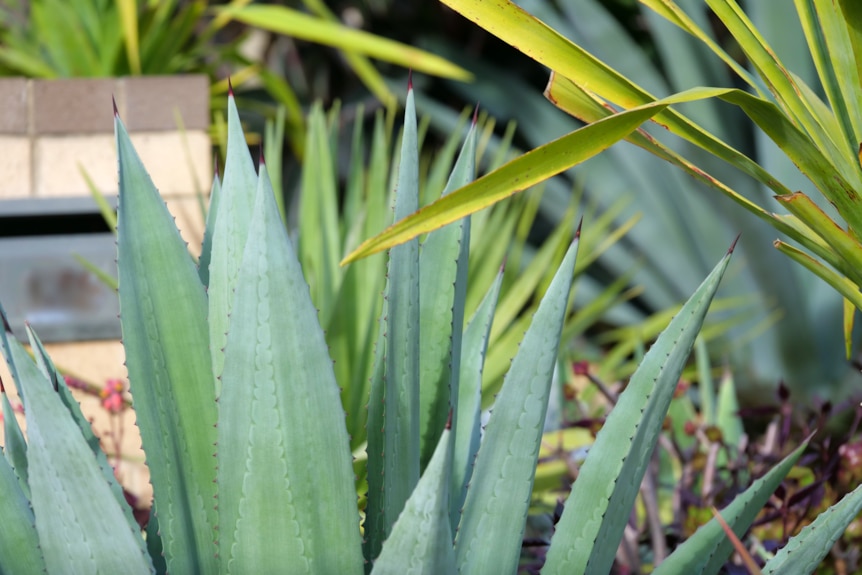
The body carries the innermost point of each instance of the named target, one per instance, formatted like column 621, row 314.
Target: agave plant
column 237, row 366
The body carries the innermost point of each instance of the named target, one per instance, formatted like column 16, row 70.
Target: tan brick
column 73, row 106
column 15, row 154
column 176, row 168
column 151, row 102
column 57, row 161
column 14, row 111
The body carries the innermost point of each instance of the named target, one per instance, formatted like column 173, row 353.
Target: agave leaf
column 15, row 448
column 468, row 424
column 163, row 311
column 390, row 486
column 374, row 527
column 589, row 531
column 207, row 244
column 498, row 497
column 64, row 479
column 421, row 539
column 443, row 273
column 19, row 541
column 705, row 383
column 49, row 370
column 229, row 233
column 804, row 552
column 276, row 407
column 708, row 549
column 519, row 174
column 727, row 416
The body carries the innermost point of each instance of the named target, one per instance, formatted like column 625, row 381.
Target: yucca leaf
column 443, row 273
column 163, row 312
column 279, row 402
column 709, row 548
column 519, row 174
column 826, row 31
column 64, row 479
column 498, row 497
column 421, row 539
column 782, row 84
column 284, row 20
column 590, row 529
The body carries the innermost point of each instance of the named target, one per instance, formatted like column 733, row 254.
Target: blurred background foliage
column 660, row 229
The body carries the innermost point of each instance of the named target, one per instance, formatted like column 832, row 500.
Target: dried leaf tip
column 410, row 80
column 229, row 88
column 114, row 102
column 6, row 325
column 215, row 165
column 449, row 420
column 2, row 387
column 476, row 114
column 262, row 158
column 733, row 245
column 578, row 230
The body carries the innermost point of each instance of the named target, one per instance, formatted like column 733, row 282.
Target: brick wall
column 48, row 131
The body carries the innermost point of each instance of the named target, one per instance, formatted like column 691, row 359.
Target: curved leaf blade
column 284, row 20
column 519, row 174
column 498, row 497
column 589, row 531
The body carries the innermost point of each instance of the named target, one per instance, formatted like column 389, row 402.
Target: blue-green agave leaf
column 163, row 312
column 421, row 539
column 75, row 536
column 207, row 245
column 601, row 499
column 19, row 542
column 49, row 370
column 709, row 548
column 278, row 505
column 374, row 528
column 393, row 446
column 229, row 232
column 15, row 448
column 498, row 497
column 468, row 424
column 443, row 273
column 802, row 554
